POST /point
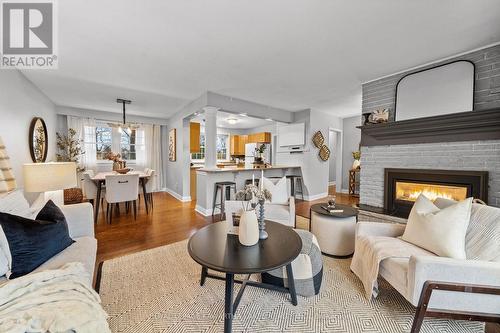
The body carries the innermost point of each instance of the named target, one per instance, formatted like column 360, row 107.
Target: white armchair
column 281, row 213
column 446, row 287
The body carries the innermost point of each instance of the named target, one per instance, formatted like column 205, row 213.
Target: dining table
column 100, row 180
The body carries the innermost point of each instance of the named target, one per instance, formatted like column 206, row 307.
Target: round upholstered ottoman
column 307, row 268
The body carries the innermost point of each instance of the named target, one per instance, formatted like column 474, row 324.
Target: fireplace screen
column 410, row 191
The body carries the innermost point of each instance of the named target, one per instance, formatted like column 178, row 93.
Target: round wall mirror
column 38, row 140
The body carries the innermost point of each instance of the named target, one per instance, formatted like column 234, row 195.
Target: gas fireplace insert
column 403, row 186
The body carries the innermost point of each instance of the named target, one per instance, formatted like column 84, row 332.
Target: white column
column 210, row 136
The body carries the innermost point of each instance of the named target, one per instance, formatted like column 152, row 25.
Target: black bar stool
column 298, row 179
column 225, row 192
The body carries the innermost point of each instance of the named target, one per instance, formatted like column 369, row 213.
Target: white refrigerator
column 250, row 152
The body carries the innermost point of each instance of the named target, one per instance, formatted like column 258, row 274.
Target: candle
column 253, row 179
column 261, row 179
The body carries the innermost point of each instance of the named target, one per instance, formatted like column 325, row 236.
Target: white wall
column 314, row 170
column 20, row 101
column 352, row 137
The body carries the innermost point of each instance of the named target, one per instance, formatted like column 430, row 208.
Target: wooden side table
column 354, row 182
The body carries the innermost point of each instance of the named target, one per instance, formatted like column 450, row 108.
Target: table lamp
column 50, row 179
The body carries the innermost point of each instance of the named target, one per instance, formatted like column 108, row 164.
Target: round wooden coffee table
column 214, row 249
column 334, row 231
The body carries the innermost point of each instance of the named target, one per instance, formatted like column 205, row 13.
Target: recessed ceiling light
column 269, row 119
column 232, row 121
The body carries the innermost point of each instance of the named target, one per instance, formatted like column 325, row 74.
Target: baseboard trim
column 332, row 183
column 345, row 191
column 203, row 211
column 315, row 197
column 178, row 196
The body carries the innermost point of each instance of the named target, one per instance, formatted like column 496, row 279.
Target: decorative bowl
column 123, row 171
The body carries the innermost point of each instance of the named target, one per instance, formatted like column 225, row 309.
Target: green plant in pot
column 357, row 156
column 259, row 152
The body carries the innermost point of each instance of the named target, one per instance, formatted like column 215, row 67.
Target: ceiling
column 291, row 54
column 241, row 121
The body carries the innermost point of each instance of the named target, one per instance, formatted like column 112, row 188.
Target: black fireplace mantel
column 462, row 126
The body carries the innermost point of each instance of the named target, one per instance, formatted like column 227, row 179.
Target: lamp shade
column 44, row 177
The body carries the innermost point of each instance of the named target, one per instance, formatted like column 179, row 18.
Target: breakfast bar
column 207, row 177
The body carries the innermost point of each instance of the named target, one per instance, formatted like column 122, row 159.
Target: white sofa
column 423, row 280
column 81, row 228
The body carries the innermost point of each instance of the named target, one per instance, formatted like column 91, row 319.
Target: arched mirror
column 38, row 140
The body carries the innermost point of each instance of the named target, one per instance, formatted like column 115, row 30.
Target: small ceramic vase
column 248, row 231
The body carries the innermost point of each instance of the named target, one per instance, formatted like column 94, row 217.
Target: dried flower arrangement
column 114, row 157
column 69, row 148
column 251, row 194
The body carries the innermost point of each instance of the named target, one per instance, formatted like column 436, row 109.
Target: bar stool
column 225, row 192
column 293, row 179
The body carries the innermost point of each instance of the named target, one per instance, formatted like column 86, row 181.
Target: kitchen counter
column 207, row 177
column 246, row 168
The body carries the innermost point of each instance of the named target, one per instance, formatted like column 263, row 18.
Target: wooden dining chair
column 121, row 188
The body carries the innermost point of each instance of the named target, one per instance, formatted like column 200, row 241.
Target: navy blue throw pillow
column 33, row 242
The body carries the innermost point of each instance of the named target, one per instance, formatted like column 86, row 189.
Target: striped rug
column 158, row 291
column 7, row 180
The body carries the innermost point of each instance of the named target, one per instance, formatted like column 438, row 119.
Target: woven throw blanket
column 370, row 251
column 50, row 301
column 7, row 180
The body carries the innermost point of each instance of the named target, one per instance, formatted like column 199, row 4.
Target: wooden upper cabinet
column 262, row 137
column 194, row 137
column 238, row 145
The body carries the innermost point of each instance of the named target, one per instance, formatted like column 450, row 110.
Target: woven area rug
column 158, row 291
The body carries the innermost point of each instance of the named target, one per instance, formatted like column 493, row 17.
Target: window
column 104, row 141
column 128, row 143
column 222, row 148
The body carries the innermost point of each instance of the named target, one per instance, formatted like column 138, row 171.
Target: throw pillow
column 33, row 242
column 441, row 231
column 279, row 191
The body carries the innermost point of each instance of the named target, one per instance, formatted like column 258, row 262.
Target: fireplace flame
column 411, row 191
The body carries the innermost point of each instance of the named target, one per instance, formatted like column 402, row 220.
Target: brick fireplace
column 464, row 156
column 403, row 186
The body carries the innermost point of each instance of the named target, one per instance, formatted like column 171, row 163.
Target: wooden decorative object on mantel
column 354, row 182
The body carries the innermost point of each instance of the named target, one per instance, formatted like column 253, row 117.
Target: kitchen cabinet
column 262, row 137
column 238, row 143
column 194, row 137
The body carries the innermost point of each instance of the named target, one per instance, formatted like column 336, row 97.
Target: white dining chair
column 121, row 188
column 89, row 187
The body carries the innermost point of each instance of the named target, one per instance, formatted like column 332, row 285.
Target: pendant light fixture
column 124, row 126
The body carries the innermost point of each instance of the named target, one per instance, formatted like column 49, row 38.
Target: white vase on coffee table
column 248, row 230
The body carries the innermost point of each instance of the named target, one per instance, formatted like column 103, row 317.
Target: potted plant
column 70, row 150
column 356, row 164
column 252, row 195
column 259, row 154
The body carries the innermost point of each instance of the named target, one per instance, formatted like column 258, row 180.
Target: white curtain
column 149, row 151
column 85, row 132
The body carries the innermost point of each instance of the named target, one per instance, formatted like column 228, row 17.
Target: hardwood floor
column 170, row 221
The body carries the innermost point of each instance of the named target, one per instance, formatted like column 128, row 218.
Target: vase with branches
column 69, row 148
column 253, row 195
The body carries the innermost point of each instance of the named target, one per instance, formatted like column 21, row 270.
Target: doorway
column 335, row 161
